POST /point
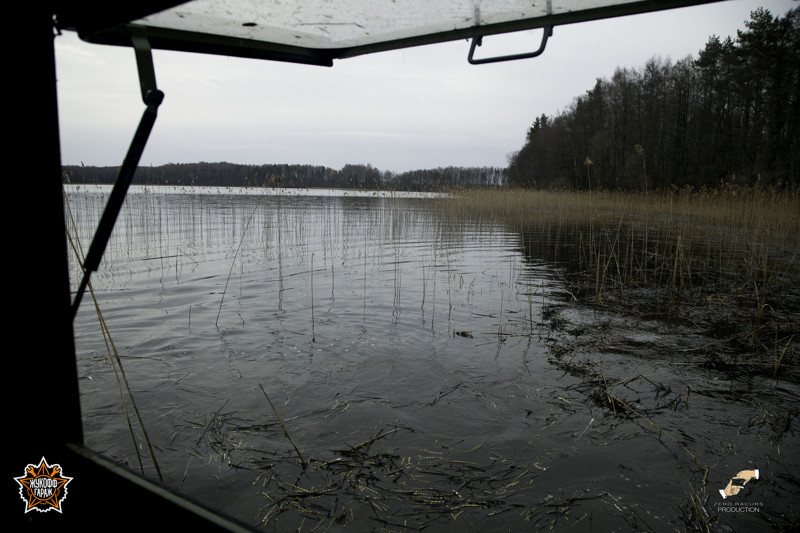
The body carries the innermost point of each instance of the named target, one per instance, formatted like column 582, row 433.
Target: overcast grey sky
column 422, row 107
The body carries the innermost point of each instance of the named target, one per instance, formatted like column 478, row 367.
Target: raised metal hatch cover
column 319, row 31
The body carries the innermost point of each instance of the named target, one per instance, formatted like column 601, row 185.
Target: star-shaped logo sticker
column 43, row 487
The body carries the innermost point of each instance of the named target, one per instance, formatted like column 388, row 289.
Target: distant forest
column 730, row 116
column 348, row 177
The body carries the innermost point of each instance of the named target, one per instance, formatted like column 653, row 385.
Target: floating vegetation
column 383, row 485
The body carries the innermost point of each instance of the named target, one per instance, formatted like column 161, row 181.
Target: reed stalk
column 365, row 276
column 333, row 275
column 530, row 307
column 500, row 322
column 424, row 285
column 233, row 262
column 283, row 426
column 313, row 336
column 279, row 224
column 433, row 311
column 449, row 275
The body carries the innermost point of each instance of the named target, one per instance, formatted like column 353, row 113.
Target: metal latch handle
column 477, row 41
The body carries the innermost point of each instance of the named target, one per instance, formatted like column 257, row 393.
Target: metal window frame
column 44, row 395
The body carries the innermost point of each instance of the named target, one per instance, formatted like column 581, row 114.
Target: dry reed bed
column 727, row 255
column 744, row 208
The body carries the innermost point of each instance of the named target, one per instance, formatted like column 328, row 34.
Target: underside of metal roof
column 320, row 31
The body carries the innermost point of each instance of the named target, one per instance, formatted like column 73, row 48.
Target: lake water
column 430, row 374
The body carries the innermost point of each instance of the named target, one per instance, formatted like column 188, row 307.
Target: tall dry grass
column 684, row 244
column 729, row 255
column 741, row 209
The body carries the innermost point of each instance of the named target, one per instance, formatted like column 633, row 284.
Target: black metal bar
column 117, row 198
column 548, row 32
column 144, row 60
column 152, row 98
column 40, row 302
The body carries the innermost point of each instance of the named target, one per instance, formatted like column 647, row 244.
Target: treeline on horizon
column 730, row 116
column 294, row 176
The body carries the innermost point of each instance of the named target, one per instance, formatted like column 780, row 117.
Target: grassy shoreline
column 741, row 208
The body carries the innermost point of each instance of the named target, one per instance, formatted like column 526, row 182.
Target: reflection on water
column 430, row 372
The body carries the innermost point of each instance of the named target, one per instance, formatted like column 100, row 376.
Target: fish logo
column 43, row 487
column 738, row 482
